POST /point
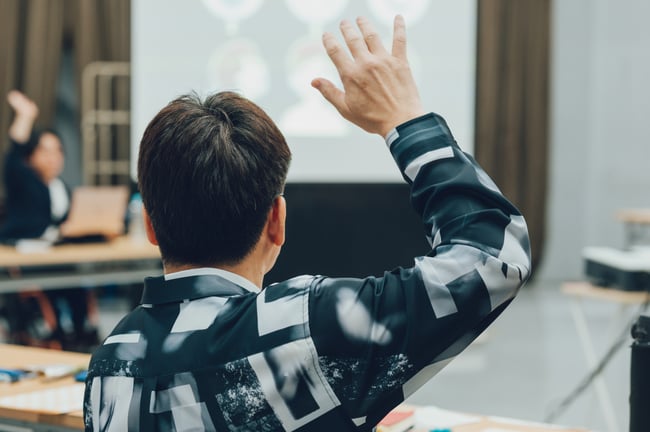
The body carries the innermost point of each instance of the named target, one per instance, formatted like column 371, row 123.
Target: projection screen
column 269, row 50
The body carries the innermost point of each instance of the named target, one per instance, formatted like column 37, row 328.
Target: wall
column 600, row 130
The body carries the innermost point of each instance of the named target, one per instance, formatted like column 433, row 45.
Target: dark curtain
column 108, row 23
column 103, row 30
column 9, row 16
column 32, row 33
column 512, row 102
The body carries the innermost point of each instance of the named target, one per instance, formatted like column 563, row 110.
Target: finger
column 332, row 94
column 335, row 52
column 370, row 36
column 13, row 96
column 399, row 38
column 353, row 39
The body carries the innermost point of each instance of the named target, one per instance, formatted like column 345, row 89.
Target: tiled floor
column 528, row 361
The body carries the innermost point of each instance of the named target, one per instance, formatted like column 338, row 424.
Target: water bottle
column 640, row 376
column 136, row 224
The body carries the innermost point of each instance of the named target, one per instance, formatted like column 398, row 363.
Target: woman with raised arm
column 37, row 200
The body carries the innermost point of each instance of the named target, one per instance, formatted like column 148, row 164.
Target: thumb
column 332, row 94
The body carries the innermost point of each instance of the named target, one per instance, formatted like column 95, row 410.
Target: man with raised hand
column 211, row 348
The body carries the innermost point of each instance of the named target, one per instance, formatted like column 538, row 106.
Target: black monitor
column 343, row 229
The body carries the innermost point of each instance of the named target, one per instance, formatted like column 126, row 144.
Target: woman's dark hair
column 208, row 172
column 35, row 137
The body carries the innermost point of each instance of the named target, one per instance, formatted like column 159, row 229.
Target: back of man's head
column 208, row 172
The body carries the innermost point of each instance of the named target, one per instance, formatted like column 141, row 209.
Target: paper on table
column 55, row 370
column 431, row 417
column 55, row 400
column 516, row 422
column 27, row 246
column 492, row 429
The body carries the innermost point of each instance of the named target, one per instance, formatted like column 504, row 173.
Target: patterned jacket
column 206, row 350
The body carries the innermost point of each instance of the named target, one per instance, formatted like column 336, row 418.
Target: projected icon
column 305, row 60
column 233, row 11
column 316, row 12
column 238, row 65
column 311, row 115
column 385, row 10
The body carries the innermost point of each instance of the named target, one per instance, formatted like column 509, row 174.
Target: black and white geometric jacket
column 207, row 350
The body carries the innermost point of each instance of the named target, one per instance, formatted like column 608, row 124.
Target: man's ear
column 276, row 221
column 148, row 228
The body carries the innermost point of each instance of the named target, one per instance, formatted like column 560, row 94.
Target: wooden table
column 579, row 291
column 492, row 424
column 585, row 290
column 45, row 418
column 120, row 261
column 48, row 419
column 429, row 418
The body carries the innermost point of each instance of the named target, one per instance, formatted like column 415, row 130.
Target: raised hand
column 21, row 104
column 379, row 92
column 26, row 112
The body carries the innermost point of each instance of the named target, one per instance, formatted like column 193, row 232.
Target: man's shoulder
column 296, row 283
column 200, row 324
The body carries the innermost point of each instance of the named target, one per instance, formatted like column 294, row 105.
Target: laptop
column 96, row 213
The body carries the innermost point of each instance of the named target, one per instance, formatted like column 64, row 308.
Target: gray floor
column 528, row 361
column 532, row 357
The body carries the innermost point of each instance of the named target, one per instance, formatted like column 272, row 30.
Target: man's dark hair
column 208, row 172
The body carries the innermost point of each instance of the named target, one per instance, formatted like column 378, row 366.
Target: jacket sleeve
column 15, row 166
column 381, row 338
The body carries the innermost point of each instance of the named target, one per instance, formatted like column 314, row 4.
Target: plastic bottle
column 136, row 224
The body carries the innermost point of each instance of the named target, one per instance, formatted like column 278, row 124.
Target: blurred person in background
column 37, row 202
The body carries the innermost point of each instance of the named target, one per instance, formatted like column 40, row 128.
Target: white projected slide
column 270, row 50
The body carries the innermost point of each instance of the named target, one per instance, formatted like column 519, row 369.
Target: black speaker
column 640, row 376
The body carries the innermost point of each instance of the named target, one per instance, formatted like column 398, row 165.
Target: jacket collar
column 200, row 271
column 193, row 285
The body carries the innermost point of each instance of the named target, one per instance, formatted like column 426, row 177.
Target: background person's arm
column 26, row 112
column 17, row 170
